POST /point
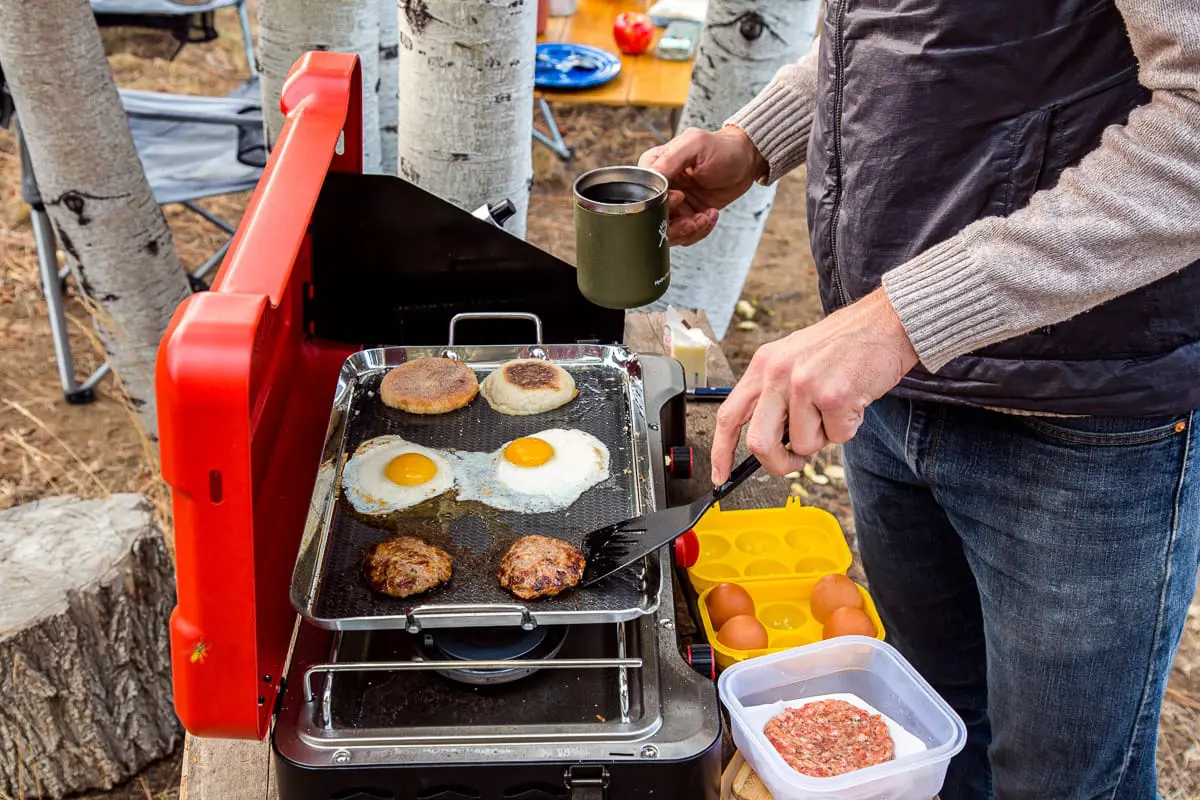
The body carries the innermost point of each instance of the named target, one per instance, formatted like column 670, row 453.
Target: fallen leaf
column 814, row 476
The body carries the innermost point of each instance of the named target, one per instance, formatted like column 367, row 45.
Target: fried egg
column 545, row 471
column 388, row 474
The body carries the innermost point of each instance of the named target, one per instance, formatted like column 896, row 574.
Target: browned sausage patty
column 540, row 566
column 429, row 386
column 403, row 566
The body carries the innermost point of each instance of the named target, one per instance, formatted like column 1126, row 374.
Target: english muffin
column 527, row 386
column 429, row 386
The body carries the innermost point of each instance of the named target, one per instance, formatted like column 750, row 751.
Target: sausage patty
column 540, row 566
column 829, row 737
column 404, row 565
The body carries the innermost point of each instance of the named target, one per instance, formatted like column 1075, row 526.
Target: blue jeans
column 1038, row 573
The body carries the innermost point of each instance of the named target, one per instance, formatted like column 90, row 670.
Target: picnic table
column 232, row 769
column 645, row 81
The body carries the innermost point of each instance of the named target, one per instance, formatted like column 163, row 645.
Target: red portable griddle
column 331, row 277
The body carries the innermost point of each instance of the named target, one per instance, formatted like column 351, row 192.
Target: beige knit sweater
column 1126, row 216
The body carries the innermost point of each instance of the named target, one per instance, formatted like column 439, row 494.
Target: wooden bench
column 222, row 769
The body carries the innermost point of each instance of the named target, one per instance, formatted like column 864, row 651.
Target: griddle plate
column 477, row 536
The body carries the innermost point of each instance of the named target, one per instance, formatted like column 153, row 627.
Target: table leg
column 555, row 140
column 673, row 123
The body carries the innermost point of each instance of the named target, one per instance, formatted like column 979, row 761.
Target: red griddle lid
column 243, row 405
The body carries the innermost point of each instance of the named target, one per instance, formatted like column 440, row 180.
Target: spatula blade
column 612, row 548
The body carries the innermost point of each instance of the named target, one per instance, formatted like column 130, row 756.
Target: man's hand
column 817, row 382
column 707, row 171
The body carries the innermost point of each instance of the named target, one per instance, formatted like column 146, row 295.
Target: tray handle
column 413, row 617
column 537, row 352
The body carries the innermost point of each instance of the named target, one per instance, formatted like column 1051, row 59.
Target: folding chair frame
column 53, row 277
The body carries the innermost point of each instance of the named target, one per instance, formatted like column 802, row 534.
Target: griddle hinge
column 587, row 782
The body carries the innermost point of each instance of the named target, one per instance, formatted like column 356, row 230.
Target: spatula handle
column 740, row 473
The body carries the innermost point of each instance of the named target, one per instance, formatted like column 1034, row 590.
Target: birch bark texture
column 742, row 45
column 465, row 123
column 85, row 658
column 287, row 29
column 388, row 95
column 114, row 234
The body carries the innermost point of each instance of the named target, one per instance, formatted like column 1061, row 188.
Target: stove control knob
column 680, row 463
column 701, row 657
column 687, row 550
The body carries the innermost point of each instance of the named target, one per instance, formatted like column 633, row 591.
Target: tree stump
column 85, row 671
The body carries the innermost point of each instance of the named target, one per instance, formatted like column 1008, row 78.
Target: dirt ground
column 48, row 447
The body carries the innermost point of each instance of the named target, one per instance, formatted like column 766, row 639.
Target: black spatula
column 615, row 547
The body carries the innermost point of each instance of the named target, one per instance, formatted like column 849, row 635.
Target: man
column 1006, row 224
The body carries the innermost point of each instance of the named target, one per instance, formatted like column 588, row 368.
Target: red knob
column 701, row 658
column 681, row 463
column 687, row 550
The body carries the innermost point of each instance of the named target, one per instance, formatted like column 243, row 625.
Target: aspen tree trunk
column 114, row 235
column 389, row 84
column 465, row 98
column 742, row 46
column 287, row 29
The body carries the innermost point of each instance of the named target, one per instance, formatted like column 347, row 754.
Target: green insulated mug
column 622, row 255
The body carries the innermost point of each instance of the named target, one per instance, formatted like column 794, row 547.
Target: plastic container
column 781, row 605
column 871, row 671
column 767, row 543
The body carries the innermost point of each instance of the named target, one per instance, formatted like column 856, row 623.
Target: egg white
column 580, row 461
column 371, row 492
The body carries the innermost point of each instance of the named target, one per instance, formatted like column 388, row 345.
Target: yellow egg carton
column 782, row 606
column 736, row 546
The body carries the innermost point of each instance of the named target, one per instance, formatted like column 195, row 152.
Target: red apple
column 633, row 31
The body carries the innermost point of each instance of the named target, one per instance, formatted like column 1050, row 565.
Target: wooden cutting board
column 740, row 783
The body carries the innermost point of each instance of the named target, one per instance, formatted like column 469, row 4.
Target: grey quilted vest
column 934, row 113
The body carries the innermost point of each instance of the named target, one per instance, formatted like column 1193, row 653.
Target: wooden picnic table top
column 645, row 80
column 232, row 769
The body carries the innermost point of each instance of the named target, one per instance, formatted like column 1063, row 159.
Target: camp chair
column 191, row 147
column 188, row 23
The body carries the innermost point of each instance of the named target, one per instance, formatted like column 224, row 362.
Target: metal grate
column 477, row 536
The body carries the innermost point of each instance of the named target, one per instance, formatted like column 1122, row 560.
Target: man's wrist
column 889, row 322
column 759, row 168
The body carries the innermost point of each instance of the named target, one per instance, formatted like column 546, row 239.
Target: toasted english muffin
column 429, row 386
column 527, row 386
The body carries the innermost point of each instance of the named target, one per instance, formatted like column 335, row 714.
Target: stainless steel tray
column 328, row 587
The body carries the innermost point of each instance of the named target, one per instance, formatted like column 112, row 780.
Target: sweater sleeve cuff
column 778, row 121
column 944, row 303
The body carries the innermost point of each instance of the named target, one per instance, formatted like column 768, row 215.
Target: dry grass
column 48, row 447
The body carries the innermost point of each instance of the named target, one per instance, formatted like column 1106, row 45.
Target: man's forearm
column 779, row 118
column 1128, row 215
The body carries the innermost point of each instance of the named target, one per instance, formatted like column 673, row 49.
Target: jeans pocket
column 1109, row 431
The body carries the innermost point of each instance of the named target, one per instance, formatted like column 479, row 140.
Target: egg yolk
column 528, row 452
column 410, row 469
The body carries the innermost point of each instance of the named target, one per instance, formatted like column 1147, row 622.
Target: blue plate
column 563, row 65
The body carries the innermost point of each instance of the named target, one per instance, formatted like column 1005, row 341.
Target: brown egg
column 743, row 633
column 833, row 591
column 847, row 621
column 728, row 600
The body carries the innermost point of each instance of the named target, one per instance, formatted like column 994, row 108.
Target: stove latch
column 587, row 782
